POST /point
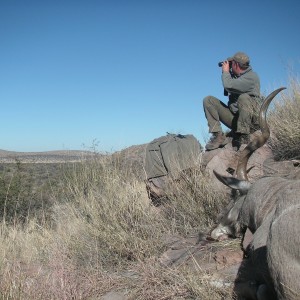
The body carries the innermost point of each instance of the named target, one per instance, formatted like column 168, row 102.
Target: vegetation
column 95, row 230
column 80, row 230
column 27, row 189
column 285, row 124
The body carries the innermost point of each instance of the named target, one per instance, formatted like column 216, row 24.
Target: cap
column 240, row 57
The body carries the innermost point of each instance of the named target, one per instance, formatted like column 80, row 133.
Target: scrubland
column 89, row 228
column 79, row 230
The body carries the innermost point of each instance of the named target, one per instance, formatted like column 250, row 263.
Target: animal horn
column 258, row 141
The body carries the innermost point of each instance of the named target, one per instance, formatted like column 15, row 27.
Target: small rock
column 114, row 296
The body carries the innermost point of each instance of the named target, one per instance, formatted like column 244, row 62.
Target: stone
column 113, row 295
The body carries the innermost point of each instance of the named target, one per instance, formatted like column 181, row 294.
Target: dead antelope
column 270, row 209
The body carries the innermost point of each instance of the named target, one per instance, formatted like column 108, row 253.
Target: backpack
column 165, row 160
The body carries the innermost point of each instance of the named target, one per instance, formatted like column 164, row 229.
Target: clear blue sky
column 122, row 73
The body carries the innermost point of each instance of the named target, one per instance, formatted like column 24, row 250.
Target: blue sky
column 119, row 73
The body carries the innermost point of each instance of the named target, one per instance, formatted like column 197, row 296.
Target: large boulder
column 224, row 161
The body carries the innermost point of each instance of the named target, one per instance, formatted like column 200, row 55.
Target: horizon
column 110, row 74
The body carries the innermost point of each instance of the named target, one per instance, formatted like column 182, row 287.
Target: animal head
column 229, row 224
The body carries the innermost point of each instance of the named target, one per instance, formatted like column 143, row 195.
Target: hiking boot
column 216, row 141
column 239, row 139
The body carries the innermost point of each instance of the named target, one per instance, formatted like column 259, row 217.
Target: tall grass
column 194, row 202
column 102, row 233
column 284, row 122
column 110, row 210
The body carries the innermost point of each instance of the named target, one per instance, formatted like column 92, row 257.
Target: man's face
column 235, row 68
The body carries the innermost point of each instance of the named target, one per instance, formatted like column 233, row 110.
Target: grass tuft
column 284, row 122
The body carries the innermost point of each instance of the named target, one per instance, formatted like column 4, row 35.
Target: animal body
column 283, row 243
column 270, row 209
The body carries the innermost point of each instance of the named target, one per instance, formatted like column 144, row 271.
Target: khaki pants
column 244, row 121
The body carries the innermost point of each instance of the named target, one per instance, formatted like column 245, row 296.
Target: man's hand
column 225, row 66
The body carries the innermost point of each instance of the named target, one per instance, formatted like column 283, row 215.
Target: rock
column 114, row 296
column 256, row 162
column 225, row 258
column 280, row 168
column 172, row 256
column 224, row 161
column 181, row 249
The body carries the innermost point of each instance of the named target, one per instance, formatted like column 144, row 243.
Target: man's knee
column 210, row 101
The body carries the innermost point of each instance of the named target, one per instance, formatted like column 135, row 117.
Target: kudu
column 270, row 209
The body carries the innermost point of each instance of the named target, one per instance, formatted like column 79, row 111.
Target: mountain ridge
column 7, row 156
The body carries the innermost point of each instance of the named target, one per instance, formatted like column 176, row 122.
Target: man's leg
column 248, row 111
column 216, row 112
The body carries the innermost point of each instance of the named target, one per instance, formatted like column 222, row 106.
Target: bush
column 26, row 189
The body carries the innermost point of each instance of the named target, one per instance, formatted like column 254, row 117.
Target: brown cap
column 241, row 58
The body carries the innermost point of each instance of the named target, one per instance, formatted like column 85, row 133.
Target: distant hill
column 44, row 157
column 131, row 155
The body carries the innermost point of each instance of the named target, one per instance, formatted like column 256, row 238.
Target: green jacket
column 246, row 83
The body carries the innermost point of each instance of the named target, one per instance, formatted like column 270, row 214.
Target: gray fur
column 271, row 210
column 283, row 241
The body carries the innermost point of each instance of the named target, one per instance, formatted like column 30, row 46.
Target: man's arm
column 234, row 85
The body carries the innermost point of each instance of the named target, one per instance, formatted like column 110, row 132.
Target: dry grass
column 194, row 203
column 102, row 234
column 284, row 122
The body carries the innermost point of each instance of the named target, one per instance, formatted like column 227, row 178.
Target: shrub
column 26, row 189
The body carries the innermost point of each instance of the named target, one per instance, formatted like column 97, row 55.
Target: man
column 242, row 85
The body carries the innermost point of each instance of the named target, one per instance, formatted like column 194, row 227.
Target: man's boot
column 215, row 141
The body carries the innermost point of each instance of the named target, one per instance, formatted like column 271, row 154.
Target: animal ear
column 234, row 183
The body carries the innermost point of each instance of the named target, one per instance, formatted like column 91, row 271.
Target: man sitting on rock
column 242, row 86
